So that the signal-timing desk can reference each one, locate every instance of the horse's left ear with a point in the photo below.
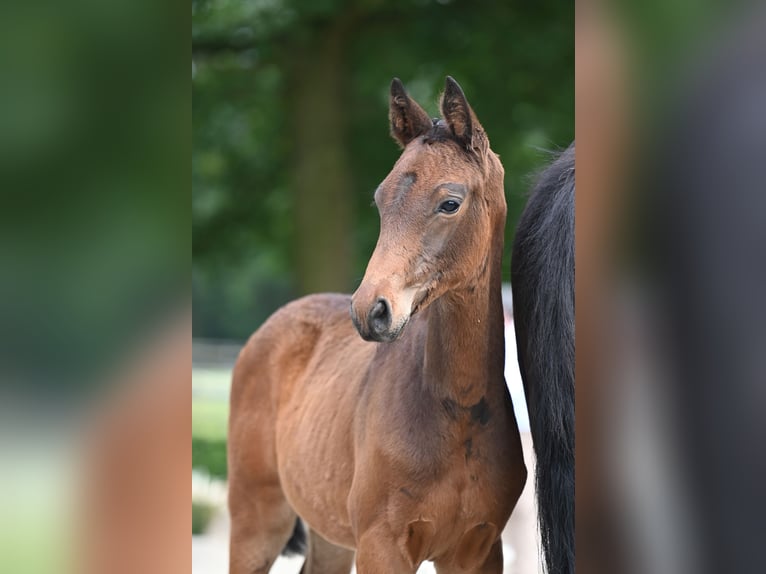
(460, 117)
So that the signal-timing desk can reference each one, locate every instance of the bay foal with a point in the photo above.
(400, 444)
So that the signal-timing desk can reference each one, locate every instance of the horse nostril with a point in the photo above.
(380, 315)
(380, 309)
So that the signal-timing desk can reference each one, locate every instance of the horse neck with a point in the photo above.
(465, 345)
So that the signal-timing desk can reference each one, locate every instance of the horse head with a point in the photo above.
(440, 207)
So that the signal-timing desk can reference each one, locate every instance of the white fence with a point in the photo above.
(210, 353)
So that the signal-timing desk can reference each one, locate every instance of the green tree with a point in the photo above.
(290, 129)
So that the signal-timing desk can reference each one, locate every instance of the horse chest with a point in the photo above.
(437, 503)
(444, 498)
(456, 518)
(468, 490)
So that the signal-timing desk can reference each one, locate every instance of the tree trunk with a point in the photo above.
(321, 178)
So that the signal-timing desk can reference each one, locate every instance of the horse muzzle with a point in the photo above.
(375, 319)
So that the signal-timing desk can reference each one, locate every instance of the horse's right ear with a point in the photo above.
(408, 119)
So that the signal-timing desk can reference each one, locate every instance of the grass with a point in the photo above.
(209, 419)
(210, 413)
(210, 403)
(210, 456)
(202, 512)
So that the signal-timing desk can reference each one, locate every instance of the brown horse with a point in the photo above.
(400, 444)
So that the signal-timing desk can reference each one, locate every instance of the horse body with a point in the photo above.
(400, 444)
(365, 446)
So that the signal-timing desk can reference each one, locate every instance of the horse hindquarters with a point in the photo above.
(268, 372)
(261, 525)
(262, 520)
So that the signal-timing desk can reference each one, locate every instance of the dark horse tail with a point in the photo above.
(542, 277)
(297, 542)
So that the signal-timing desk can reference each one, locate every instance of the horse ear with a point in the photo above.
(408, 119)
(460, 117)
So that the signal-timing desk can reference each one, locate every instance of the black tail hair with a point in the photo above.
(297, 542)
(542, 279)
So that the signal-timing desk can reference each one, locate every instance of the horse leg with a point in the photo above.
(261, 524)
(493, 564)
(378, 553)
(323, 557)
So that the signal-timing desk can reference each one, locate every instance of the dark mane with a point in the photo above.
(441, 133)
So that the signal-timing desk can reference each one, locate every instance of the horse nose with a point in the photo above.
(379, 318)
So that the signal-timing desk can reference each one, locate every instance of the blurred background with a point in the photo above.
(94, 260)
(671, 324)
(290, 140)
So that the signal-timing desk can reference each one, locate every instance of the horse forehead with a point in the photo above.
(433, 156)
(422, 166)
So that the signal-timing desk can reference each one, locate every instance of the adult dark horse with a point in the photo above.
(401, 444)
(542, 277)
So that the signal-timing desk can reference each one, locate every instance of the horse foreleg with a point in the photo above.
(326, 558)
(378, 553)
(493, 564)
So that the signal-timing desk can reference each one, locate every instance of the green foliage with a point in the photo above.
(254, 76)
(202, 512)
(209, 456)
(210, 415)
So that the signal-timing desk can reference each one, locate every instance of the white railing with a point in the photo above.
(215, 353)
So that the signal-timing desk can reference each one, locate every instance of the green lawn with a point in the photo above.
(209, 419)
(210, 403)
(210, 413)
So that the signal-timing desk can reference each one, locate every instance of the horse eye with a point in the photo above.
(449, 206)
